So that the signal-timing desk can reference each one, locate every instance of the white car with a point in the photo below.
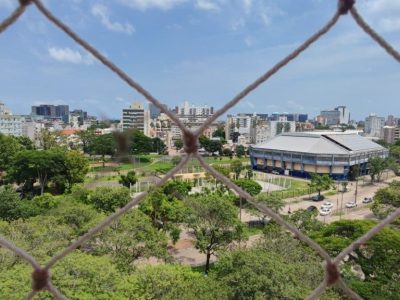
(324, 211)
(367, 200)
(327, 204)
(351, 204)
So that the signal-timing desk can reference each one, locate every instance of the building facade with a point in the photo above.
(50, 111)
(136, 117)
(374, 126)
(301, 154)
(10, 124)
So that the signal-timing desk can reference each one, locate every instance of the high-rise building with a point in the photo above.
(391, 134)
(49, 111)
(136, 117)
(374, 126)
(154, 111)
(339, 115)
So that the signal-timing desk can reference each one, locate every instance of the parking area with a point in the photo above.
(338, 201)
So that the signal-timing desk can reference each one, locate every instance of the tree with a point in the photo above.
(320, 183)
(220, 132)
(377, 165)
(47, 139)
(240, 151)
(130, 238)
(77, 276)
(250, 186)
(9, 147)
(86, 137)
(139, 143)
(10, 204)
(214, 222)
(171, 282)
(178, 144)
(213, 146)
(129, 179)
(271, 201)
(237, 167)
(227, 152)
(159, 146)
(261, 274)
(165, 212)
(76, 168)
(103, 145)
(107, 199)
(386, 200)
(30, 166)
(177, 188)
(378, 258)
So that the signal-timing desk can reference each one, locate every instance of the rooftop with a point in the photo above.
(321, 143)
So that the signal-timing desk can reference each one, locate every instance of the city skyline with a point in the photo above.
(247, 38)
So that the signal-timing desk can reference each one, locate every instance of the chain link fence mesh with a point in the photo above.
(41, 279)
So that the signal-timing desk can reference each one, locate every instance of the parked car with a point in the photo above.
(351, 204)
(324, 211)
(275, 172)
(311, 208)
(367, 200)
(327, 204)
(318, 198)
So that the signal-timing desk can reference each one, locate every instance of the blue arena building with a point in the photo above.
(300, 154)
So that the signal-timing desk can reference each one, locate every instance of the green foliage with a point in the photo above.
(227, 152)
(240, 151)
(386, 200)
(128, 179)
(250, 186)
(171, 282)
(10, 204)
(178, 144)
(274, 203)
(78, 276)
(321, 182)
(130, 238)
(64, 168)
(215, 224)
(102, 145)
(237, 167)
(176, 188)
(220, 132)
(165, 212)
(378, 258)
(377, 165)
(107, 199)
(210, 146)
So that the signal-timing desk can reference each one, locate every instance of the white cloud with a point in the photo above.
(207, 5)
(70, 56)
(147, 4)
(100, 11)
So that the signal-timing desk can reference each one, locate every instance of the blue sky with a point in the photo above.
(203, 51)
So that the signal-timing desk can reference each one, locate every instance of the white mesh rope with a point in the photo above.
(41, 279)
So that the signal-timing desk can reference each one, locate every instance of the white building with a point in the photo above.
(10, 124)
(136, 117)
(374, 126)
(339, 115)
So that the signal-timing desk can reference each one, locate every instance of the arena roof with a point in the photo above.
(323, 143)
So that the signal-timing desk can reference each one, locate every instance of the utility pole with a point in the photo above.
(341, 207)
